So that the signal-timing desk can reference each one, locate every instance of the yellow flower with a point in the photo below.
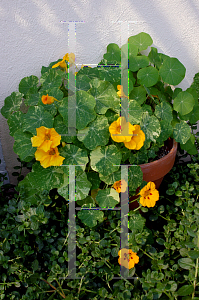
(120, 92)
(67, 57)
(149, 195)
(127, 258)
(49, 158)
(120, 186)
(116, 127)
(137, 139)
(47, 99)
(46, 138)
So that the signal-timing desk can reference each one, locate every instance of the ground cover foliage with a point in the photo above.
(34, 247)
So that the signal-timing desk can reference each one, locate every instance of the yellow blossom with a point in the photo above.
(67, 57)
(137, 138)
(120, 186)
(127, 258)
(121, 92)
(49, 158)
(47, 99)
(46, 138)
(149, 195)
(116, 127)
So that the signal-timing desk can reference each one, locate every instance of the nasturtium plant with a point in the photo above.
(124, 114)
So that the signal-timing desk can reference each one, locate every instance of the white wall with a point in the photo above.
(31, 35)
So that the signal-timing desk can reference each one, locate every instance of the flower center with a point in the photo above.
(128, 256)
(47, 137)
(52, 152)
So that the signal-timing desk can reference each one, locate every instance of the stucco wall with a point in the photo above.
(31, 35)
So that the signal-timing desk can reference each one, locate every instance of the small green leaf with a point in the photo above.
(148, 76)
(12, 103)
(136, 221)
(107, 198)
(185, 290)
(186, 263)
(184, 103)
(138, 62)
(84, 109)
(142, 41)
(113, 55)
(35, 118)
(96, 134)
(138, 94)
(164, 111)
(23, 146)
(172, 71)
(28, 85)
(182, 132)
(90, 216)
(105, 160)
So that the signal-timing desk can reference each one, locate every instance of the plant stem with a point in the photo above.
(147, 254)
(196, 268)
(80, 284)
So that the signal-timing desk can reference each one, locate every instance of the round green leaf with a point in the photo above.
(186, 263)
(136, 222)
(166, 131)
(28, 85)
(138, 62)
(172, 71)
(164, 111)
(84, 109)
(107, 198)
(105, 96)
(113, 55)
(89, 72)
(135, 177)
(142, 41)
(150, 126)
(12, 103)
(37, 117)
(181, 132)
(110, 179)
(62, 129)
(74, 156)
(135, 112)
(96, 134)
(189, 146)
(23, 146)
(138, 94)
(130, 50)
(90, 216)
(94, 179)
(15, 121)
(105, 160)
(111, 74)
(184, 103)
(148, 76)
(82, 82)
(82, 187)
(51, 79)
(48, 178)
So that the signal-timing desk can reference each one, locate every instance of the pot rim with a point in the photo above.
(171, 152)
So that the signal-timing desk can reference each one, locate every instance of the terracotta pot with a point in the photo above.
(156, 170)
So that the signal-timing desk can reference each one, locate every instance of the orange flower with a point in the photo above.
(120, 186)
(46, 138)
(149, 195)
(137, 139)
(116, 127)
(49, 158)
(127, 258)
(67, 57)
(47, 99)
(120, 92)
